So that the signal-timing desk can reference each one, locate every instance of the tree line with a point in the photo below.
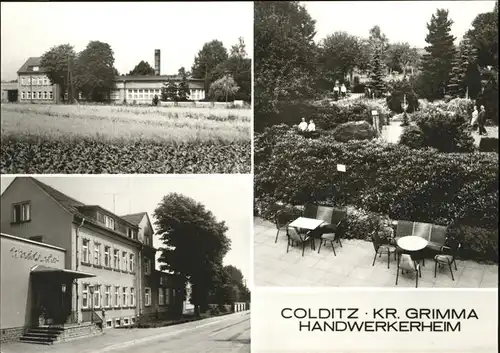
(92, 73)
(194, 246)
(290, 66)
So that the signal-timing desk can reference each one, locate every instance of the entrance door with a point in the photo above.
(50, 300)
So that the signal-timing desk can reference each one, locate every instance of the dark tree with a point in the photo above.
(438, 61)
(284, 53)
(194, 244)
(484, 37)
(183, 92)
(58, 61)
(212, 54)
(378, 48)
(169, 91)
(95, 71)
(142, 69)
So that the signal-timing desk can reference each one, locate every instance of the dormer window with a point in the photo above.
(130, 233)
(109, 222)
(36, 68)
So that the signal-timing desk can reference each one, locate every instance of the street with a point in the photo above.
(229, 333)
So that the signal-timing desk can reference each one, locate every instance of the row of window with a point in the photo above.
(35, 81)
(113, 296)
(109, 222)
(37, 95)
(121, 322)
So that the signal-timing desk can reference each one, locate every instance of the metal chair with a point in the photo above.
(446, 257)
(438, 238)
(332, 232)
(406, 263)
(294, 236)
(382, 247)
(283, 218)
(404, 228)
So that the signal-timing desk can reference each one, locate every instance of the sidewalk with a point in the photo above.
(111, 338)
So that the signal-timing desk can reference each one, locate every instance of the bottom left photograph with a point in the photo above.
(125, 263)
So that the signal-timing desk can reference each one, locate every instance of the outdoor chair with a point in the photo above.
(446, 257)
(332, 231)
(310, 211)
(422, 230)
(404, 228)
(282, 220)
(382, 247)
(295, 237)
(406, 263)
(438, 238)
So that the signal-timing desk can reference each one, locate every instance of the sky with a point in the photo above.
(400, 21)
(228, 197)
(132, 29)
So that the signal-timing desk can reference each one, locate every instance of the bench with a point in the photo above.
(433, 233)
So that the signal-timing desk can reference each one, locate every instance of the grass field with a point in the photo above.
(118, 139)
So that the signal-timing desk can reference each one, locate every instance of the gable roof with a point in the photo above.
(32, 61)
(134, 218)
(72, 205)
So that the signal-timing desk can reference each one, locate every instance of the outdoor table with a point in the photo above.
(412, 244)
(307, 223)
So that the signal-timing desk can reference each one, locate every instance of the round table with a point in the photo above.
(412, 243)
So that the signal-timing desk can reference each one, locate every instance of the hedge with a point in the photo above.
(420, 185)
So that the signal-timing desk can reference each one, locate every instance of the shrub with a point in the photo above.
(412, 137)
(215, 310)
(354, 130)
(399, 90)
(391, 179)
(445, 130)
(477, 242)
(155, 100)
(223, 309)
(488, 144)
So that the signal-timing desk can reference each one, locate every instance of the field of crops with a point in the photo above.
(118, 139)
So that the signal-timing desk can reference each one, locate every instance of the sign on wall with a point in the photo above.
(30, 255)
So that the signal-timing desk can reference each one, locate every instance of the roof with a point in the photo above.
(134, 218)
(72, 206)
(155, 78)
(32, 61)
(8, 86)
(41, 269)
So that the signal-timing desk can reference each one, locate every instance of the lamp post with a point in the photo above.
(91, 304)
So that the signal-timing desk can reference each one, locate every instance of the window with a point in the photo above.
(131, 263)
(51, 95)
(36, 68)
(131, 233)
(22, 94)
(29, 95)
(146, 239)
(107, 259)
(162, 281)
(161, 296)
(85, 296)
(107, 296)
(132, 319)
(22, 81)
(124, 261)
(124, 296)
(116, 256)
(97, 296)
(40, 81)
(117, 322)
(45, 95)
(109, 222)
(109, 323)
(125, 322)
(147, 296)
(21, 212)
(97, 254)
(147, 266)
(167, 296)
(85, 251)
(117, 296)
(132, 296)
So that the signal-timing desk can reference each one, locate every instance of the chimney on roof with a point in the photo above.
(157, 62)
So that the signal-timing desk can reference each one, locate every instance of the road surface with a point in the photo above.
(223, 334)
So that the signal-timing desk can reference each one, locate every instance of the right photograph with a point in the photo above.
(376, 144)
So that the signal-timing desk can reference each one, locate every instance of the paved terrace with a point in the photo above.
(352, 267)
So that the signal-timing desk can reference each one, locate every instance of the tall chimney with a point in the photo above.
(157, 62)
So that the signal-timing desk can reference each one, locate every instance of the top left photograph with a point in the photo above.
(126, 88)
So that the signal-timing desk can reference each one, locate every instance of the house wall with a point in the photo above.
(18, 257)
(38, 85)
(142, 92)
(48, 219)
(107, 275)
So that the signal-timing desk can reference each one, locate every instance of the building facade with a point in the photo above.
(108, 261)
(33, 83)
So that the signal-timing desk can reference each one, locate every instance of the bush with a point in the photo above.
(391, 179)
(445, 130)
(399, 90)
(354, 130)
(488, 144)
(155, 100)
(214, 311)
(412, 137)
(477, 242)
